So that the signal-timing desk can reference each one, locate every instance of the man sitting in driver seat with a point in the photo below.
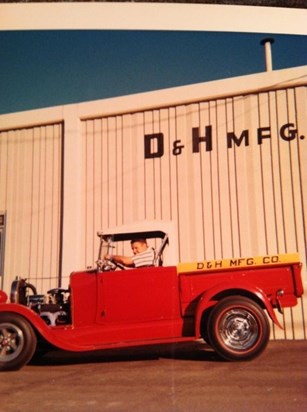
(143, 255)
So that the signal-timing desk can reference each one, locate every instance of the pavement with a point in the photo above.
(171, 378)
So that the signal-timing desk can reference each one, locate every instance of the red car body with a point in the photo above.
(223, 302)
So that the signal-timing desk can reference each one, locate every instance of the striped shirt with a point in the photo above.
(145, 258)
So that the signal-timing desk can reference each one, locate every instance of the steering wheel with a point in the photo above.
(107, 265)
(110, 265)
(118, 265)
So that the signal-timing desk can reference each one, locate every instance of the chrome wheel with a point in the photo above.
(238, 329)
(17, 341)
(11, 342)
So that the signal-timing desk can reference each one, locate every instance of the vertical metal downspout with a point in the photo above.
(60, 274)
(2, 247)
(268, 52)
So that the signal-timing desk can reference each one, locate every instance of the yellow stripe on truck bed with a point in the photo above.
(235, 263)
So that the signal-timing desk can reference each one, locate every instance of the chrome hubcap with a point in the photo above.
(238, 329)
(11, 341)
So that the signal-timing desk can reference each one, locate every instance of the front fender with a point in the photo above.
(51, 334)
(31, 316)
(210, 298)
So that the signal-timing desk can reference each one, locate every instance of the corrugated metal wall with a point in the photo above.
(30, 182)
(231, 172)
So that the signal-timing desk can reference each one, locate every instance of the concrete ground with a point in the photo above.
(172, 378)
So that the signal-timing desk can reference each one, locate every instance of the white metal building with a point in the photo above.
(225, 161)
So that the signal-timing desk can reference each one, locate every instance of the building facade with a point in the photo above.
(224, 161)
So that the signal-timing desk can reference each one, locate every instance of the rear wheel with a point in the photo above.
(238, 328)
(17, 341)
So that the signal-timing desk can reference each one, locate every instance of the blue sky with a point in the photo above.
(48, 68)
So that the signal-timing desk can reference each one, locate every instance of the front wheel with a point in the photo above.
(238, 328)
(17, 342)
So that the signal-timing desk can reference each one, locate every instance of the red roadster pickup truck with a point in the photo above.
(227, 303)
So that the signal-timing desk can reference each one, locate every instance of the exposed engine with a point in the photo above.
(53, 308)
